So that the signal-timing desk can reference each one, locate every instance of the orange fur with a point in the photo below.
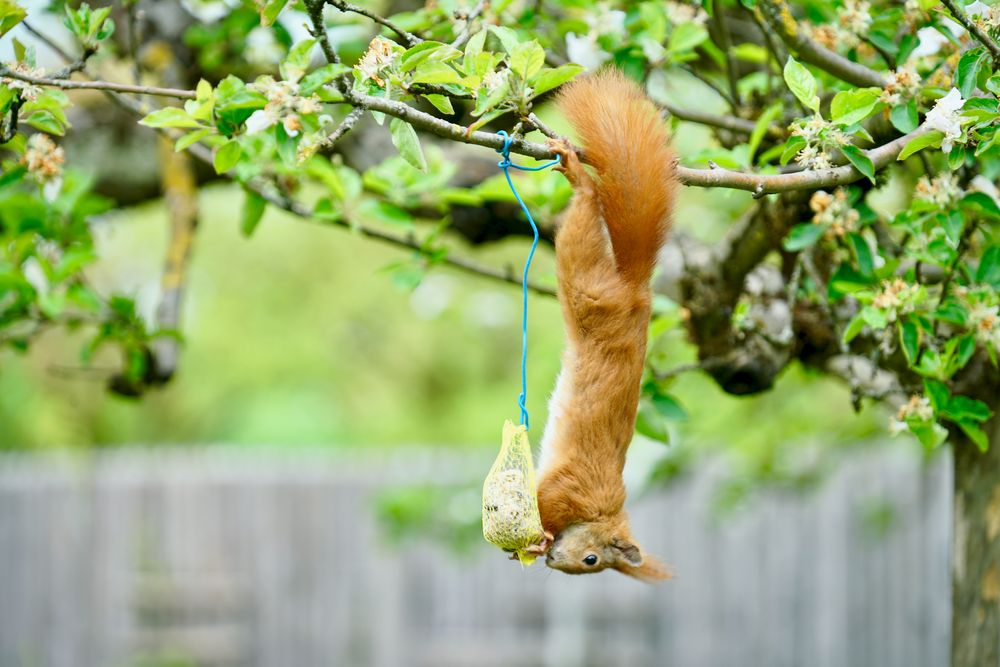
(606, 249)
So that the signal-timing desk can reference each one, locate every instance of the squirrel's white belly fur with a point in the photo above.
(560, 394)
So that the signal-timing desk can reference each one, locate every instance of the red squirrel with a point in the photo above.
(606, 247)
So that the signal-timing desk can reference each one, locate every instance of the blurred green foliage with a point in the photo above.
(297, 337)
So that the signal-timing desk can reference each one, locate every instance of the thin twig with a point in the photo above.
(719, 19)
(48, 41)
(974, 29)
(711, 84)
(470, 18)
(408, 37)
(679, 370)
(318, 30)
(345, 126)
(98, 85)
(730, 123)
(541, 126)
(779, 17)
(72, 65)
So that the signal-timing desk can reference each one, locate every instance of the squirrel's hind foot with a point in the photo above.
(569, 163)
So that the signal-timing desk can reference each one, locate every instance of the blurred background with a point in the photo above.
(305, 491)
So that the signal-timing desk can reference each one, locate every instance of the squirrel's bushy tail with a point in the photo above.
(626, 141)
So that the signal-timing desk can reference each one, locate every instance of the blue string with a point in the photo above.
(506, 165)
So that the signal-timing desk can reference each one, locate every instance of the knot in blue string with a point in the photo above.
(506, 165)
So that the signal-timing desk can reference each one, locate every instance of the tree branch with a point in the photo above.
(730, 123)
(98, 85)
(759, 184)
(974, 29)
(318, 30)
(407, 37)
(779, 17)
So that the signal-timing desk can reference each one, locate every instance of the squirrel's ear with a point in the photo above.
(650, 570)
(628, 552)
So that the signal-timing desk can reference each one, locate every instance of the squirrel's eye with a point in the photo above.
(591, 559)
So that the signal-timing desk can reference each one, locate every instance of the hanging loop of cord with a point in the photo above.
(507, 165)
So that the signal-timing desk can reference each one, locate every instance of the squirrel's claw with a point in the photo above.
(542, 547)
(569, 161)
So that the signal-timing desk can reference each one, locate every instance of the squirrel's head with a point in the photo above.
(584, 548)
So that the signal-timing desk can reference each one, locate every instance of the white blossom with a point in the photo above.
(262, 48)
(945, 117)
(982, 184)
(585, 51)
(260, 120)
(931, 41)
(208, 11)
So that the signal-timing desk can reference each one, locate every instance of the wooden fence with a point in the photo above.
(223, 558)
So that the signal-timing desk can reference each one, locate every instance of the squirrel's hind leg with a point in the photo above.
(584, 261)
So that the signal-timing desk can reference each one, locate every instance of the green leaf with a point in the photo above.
(860, 160)
(930, 434)
(963, 408)
(853, 106)
(269, 12)
(288, 146)
(169, 117)
(190, 138)
(487, 100)
(792, 148)
(441, 103)
(760, 128)
(874, 317)
(956, 157)
(937, 393)
(988, 272)
(404, 137)
(253, 210)
(904, 117)
(436, 72)
(316, 79)
(918, 143)
(295, 64)
(418, 54)
(685, 37)
(669, 407)
(473, 48)
(802, 83)
(968, 69)
(527, 59)
(227, 156)
(854, 327)
(377, 210)
(863, 254)
(976, 435)
(803, 235)
(10, 15)
(650, 423)
(552, 78)
(507, 37)
(981, 203)
(909, 338)
(953, 312)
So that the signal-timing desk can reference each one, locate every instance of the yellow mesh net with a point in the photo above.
(510, 505)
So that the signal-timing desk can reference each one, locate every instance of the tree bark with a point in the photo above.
(975, 624)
